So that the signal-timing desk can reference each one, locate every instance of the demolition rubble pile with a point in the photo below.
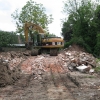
(13, 63)
(9, 67)
(78, 60)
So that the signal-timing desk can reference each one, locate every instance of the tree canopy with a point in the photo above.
(82, 25)
(34, 13)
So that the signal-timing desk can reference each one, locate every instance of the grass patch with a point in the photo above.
(97, 69)
(89, 77)
(97, 60)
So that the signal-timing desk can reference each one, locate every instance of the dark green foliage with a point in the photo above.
(67, 31)
(67, 44)
(84, 22)
(7, 38)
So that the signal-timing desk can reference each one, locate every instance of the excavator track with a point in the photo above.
(34, 52)
(53, 52)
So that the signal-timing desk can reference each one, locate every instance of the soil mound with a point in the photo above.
(75, 47)
(7, 76)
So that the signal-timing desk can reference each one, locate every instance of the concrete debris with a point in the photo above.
(33, 65)
(77, 60)
(68, 54)
(91, 71)
(83, 68)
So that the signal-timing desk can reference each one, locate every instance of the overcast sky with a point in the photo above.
(54, 7)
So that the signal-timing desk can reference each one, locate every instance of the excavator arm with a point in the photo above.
(34, 27)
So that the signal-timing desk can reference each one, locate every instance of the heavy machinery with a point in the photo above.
(39, 40)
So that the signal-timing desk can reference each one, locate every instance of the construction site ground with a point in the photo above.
(46, 77)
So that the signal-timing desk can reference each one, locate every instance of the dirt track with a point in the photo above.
(51, 84)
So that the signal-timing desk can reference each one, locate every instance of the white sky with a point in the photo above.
(54, 7)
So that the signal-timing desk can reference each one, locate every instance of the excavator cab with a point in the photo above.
(37, 39)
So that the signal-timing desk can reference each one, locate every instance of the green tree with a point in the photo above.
(97, 46)
(34, 13)
(82, 18)
(51, 35)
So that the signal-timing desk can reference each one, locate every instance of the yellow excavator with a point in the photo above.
(39, 41)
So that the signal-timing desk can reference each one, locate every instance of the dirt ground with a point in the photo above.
(45, 77)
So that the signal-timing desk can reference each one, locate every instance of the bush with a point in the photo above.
(78, 41)
(7, 38)
(97, 46)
